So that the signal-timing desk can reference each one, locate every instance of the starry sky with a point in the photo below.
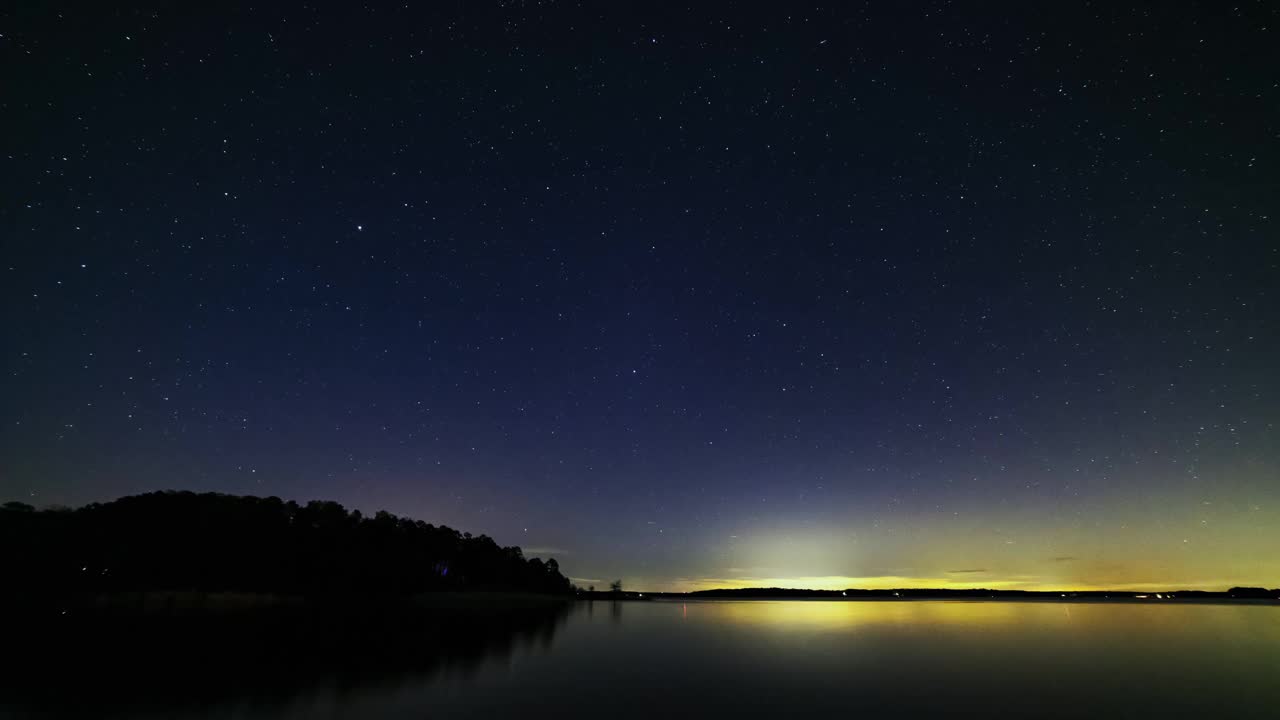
(862, 294)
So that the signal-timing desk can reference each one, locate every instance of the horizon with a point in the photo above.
(833, 585)
(967, 579)
(1169, 591)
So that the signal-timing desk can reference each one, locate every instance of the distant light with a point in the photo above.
(641, 594)
(1159, 596)
(844, 594)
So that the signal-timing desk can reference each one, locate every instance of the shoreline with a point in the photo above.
(658, 597)
(1235, 595)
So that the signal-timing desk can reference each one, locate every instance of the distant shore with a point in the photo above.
(195, 604)
(1239, 594)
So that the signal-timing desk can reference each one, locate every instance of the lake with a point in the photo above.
(757, 658)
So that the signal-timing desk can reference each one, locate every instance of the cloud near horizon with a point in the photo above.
(544, 551)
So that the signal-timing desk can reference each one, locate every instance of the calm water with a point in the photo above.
(788, 658)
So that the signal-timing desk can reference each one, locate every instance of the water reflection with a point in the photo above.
(722, 658)
(791, 616)
(1101, 618)
(265, 663)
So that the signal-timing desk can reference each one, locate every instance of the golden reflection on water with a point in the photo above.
(832, 615)
(1116, 619)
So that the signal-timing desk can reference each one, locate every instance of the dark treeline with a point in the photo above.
(211, 542)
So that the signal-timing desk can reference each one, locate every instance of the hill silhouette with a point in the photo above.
(211, 542)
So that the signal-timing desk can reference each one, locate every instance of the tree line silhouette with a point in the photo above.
(212, 542)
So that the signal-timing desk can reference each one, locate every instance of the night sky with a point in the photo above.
(889, 294)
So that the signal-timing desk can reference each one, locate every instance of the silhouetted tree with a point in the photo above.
(215, 542)
(615, 586)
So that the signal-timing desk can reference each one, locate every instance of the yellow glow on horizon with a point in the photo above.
(1195, 542)
(843, 582)
(891, 582)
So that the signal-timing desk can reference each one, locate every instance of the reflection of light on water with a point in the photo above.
(843, 614)
(1015, 620)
